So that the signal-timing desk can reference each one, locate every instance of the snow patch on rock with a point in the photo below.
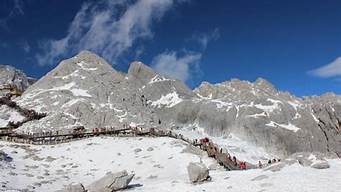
(289, 126)
(169, 100)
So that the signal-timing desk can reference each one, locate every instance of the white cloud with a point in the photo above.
(185, 66)
(16, 9)
(106, 30)
(204, 38)
(330, 70)
(179, 67)
(26, 47)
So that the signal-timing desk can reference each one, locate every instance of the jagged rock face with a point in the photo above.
(14, 77)
(83, 91)
(154, 85)
(259, 113)
(327, 109)
(11, 78)
(86, 91)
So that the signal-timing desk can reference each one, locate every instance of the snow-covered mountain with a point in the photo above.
(270, 118)
(86, 91)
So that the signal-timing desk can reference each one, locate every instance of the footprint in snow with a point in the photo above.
(137, 178)
(45, 165)
(50, 159)
(158, 166)
(152, 177)
(266, 185)
(150, 149)
(260, 177)
(28, 175)
(137, 150)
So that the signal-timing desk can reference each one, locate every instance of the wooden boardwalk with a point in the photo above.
(50, 138)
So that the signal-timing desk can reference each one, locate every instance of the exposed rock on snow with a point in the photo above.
(5, 157)
(197, 172)
(111, 182)
(314, 160)
(275, 167)
(320, 165)
(73, 188)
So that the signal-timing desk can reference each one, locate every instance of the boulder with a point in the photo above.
(73, 188)
(320, 165)
(308, 159)
(111, 182)
(5, 157)
(197, 172)
(275, 167)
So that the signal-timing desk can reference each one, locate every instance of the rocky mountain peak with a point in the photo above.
(140, 71)
(264, 85)
(90, 57)
(12, 76)
(86, 91)
(83, 65)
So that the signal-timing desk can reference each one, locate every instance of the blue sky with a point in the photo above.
(293, 44)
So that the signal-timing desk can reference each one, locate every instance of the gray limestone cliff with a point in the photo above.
(86, 91)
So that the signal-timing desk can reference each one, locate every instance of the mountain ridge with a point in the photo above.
(85, 90)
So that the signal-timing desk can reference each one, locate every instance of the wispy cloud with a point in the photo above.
(104, 30)
(15, 9)
(26, 47)
(204, 38)
(180, 67)
(332, 69)
(184, 65)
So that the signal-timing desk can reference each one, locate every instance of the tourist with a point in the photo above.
(260, 165)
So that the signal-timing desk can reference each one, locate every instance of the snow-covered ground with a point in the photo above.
(7, 114)
(243, 150)
(159, 164)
